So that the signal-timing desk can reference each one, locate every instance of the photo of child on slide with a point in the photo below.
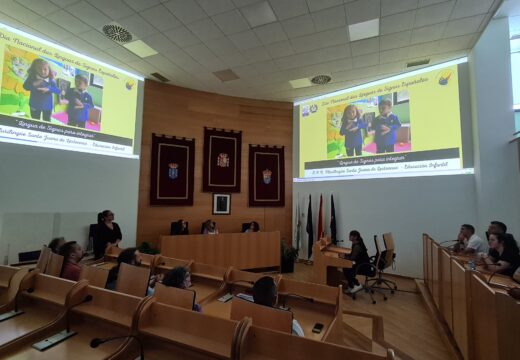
(40, 88)
(369, 126)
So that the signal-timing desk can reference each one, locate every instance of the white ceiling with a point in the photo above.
(195, 38)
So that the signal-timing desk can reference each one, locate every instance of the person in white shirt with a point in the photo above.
(470, 242)
(265, 293)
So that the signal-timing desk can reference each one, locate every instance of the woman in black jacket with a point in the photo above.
(107, 232)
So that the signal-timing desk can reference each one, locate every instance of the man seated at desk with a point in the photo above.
(265, 293)
(469, 242)
(72, 254)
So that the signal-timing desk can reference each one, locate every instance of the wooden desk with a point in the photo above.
(240, 250)
(327, 255)
(207, 336)
(259, 343)
(44, 300)
(107, 314)
(105, 265)
(474, 303)
(310, 303)
(10, 279)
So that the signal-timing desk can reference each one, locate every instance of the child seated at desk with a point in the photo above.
(358, 256)
(265, 293)
(130, 256)
(179, 277)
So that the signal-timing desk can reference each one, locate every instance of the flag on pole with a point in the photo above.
(298, 221)
(333, 235)
(310, 231)
(320, 219)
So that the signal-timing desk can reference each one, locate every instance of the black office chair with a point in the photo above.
(369, 270)
(245, 226)
(176, 228)
(374, 270)
(386, 259)
(29, 256)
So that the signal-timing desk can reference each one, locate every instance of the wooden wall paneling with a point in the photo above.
(484, 318)
(425, 258)
(183, 112)
(240, 250)
(445, 265)
(430, 264)
(436, 275)
(508, 318)
(460, 292)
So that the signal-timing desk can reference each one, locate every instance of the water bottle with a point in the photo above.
(471, 265)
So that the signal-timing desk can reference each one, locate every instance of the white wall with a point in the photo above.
(496, 161)
(438, 205)
(407, 207)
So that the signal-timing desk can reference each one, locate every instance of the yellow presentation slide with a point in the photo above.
(52, 97)
(407, 124)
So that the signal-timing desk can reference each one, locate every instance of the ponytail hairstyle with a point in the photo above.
(359, 238)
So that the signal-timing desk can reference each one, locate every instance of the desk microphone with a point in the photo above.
(95, 342)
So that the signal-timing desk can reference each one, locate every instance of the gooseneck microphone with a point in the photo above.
(95, 342)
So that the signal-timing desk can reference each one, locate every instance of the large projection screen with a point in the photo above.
(56, 98)
(406, 125)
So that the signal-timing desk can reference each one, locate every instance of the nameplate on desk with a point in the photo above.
(10, 315)
(225, 298)
(53, 340)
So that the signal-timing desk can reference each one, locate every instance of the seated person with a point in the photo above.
(72, 254)
(253, 227)
(265, 293)
(469, 242)
(358, 255)
(503, 257)
(180, 278)
(56, 243)
(209, 227)
(130, 256)
(179, 227)
(496, 227)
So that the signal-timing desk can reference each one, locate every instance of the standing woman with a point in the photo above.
(108, 232)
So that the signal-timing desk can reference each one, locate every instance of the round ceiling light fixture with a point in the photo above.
(321, 79)
(117, 33)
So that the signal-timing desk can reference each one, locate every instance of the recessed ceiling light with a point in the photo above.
(226, 75)
(418, 63)
(364, 30)
(258, 14)
(140, 48)
(300, 83)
